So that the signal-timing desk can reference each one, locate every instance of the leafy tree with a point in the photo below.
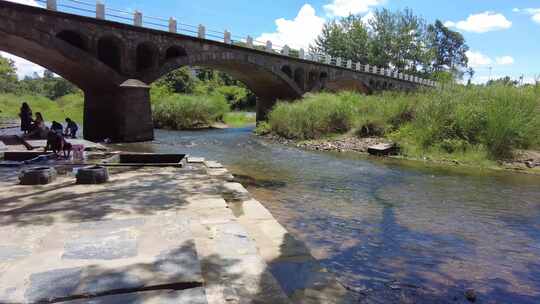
(505, 81)
(346, 38)
(8, 76)
(449, 47)
(181, 80)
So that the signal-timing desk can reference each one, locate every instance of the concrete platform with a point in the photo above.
(151, 235)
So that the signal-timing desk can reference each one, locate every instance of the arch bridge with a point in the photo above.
(113, 63)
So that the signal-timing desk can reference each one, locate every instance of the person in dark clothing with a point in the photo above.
(57, 127)
(26, 118)
(57, 143)
(38, 130)
(71, 128)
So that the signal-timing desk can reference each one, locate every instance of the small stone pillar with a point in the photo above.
(396, 74)
(285, 50)
(249, 42)
(375, 70)
(201, 32)
(381, 71)
(367, 68)
(173, 25)
(269, 46)
(301, 54)
(338, 61)
(51, 5)
(358, 66)
(328, 59)
(227, 37)
(100, 10)
(349, 64)
(137, 18)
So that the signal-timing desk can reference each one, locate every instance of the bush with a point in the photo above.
(188, 111)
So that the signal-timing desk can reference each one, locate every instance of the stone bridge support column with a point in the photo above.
(264, 105)
(121, 115)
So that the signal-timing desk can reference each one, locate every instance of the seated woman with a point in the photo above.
(71, 128)
(38, 130)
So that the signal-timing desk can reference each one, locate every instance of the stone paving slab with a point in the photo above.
(195, 160)
(213, 164)
(188, 296)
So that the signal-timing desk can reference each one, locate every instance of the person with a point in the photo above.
(38, 130)
(71, 128)
(57, 143)
(57, 127)
(26, 118)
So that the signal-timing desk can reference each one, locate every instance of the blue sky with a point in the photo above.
(502, 34)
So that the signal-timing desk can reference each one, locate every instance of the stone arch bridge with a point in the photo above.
(113, 63)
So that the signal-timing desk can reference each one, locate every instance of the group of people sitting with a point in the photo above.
(55, 135)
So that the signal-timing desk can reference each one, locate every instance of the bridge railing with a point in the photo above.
(99, 10)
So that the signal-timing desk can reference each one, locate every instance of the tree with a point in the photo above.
(449, 47)
(8, 76)
(181, 80)
(346, 38)
(505, 81)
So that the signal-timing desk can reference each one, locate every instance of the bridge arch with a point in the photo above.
(175, 51)
(348, 84)
(109, 51)
(74, 38)
(287, 70)
(146, 56)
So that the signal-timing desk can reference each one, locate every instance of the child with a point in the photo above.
(71, 128)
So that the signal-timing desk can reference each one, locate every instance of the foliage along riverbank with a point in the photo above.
(475, 125)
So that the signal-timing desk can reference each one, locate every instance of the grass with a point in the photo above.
(67, 106)
(239, 119)
(179, 111)
(471, 124)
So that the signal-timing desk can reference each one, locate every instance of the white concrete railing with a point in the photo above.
(138, 19)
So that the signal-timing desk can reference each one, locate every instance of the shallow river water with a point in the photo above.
(388, 224)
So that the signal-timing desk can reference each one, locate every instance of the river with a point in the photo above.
(382, 224)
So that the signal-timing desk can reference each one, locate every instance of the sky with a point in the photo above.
(503, 35)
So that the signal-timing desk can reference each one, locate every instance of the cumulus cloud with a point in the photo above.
(342, 8)
(482, 23)
(504, 60)
(533, 12)
(477, 59)
(297, 33)
(24, 67)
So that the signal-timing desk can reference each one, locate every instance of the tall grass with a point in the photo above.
(68, 106)
(179, 111)
(495, 119)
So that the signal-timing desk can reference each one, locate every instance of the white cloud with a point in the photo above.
(297, 33)
(26, 2)
(504, 60)
(342, 8)
(477, 59)
(482, 23)
(533, 12)
(366, 19)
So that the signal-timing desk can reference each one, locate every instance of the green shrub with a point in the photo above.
(178, 111)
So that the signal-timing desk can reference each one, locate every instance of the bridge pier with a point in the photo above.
(263, 107)
(122, 114)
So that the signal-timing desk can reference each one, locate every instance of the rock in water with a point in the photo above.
(470, 295)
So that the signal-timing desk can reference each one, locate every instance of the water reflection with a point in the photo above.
(379, 224)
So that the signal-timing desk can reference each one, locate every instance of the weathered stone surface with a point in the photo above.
(195, 160)
(101, 246)
(235, 192)
(8, 253)
(213, 164)
(58, 283)
(188, 296)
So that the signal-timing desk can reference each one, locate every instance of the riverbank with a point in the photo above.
(525, 161)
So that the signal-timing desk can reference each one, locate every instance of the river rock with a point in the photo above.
(470, 295)
(382, 149)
